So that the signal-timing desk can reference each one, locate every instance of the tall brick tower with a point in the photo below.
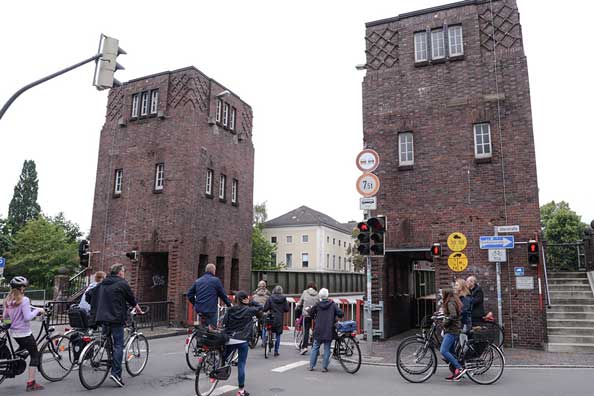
(446, 103)
(174, 183)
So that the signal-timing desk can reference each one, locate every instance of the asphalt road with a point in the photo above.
(286, 375)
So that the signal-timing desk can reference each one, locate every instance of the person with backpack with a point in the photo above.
(277, 305)
(308, 299)
(452, 308)
(324, 313)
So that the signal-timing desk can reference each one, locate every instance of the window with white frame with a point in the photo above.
(421, 54)
(232, 120)
(289, 239)
(144, 107)
(289, 260)
(482, 140)
(339, 262)
(234, 191)
(209, 174)
(273, 259)
(159, 176)
(456, 46)
(225, 114)
(327, 239)
(117, 188)
(304, 238)
(219, 110)
(135, 105)
(437, 44)
(406, 149)
(222, 186)
(333, 261)
(305, 260)
(328, 260)
(154, 101)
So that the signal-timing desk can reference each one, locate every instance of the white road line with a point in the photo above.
(172, 353)
(291, 366)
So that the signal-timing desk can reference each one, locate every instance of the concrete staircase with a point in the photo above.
(570, 320)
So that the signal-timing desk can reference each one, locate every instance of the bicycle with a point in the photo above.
(212, 367)
(345, 347)
(416, 359)
(256, 333)
(95, 361)
(491, 329)
(270, 335)
(192, 349)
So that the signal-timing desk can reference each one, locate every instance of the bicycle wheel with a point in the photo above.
(255, 336)
(192, 350)
(57, 358)
(298, 337)
(416, 360)
(488, 367)
(269, 343)
(207, 363)
(94, 364)
(349, 354)
(136, 354)
(493, 332)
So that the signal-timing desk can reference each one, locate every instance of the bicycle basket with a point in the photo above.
(213, 339)
(221, 373)
(348, 326)
(78, 318)
(475, 349)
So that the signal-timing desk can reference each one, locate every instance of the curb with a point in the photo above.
(524, 366)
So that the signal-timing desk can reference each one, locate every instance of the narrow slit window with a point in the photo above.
(482, 140)
(119, 174)
(225, 114)
(234, 191)
(219, 110)
(222, 187)
(159, 176)
(135, 104)
(154, 101)
(232, 119)
(406, 149)
(209, 174)
(437, 44)
(145, 104)
(455, 40)
(421, 47)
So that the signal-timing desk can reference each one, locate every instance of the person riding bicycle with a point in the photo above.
(324, 313)
(237, 325)
(476, 292)
(452, 308)
(109, 299)
(261, 295)
(18, 310)
(204, 295)
(462, 291)
(308, 299)
(277, 305)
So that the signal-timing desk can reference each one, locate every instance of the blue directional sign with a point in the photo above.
(519, 271)
(497, 242)
(2, 262)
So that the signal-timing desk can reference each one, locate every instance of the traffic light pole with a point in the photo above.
(499, 302)
(44, 79)
(368, 302)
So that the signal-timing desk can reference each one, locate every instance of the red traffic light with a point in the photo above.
(363, 227)
(533, 247)
(436, 249)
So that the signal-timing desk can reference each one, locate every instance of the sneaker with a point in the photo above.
(459, 374)
(33, 386)
(451, 377)
(324, 370)
(117, 380)
(243, 392)
(311, 369)
(276, 354)
(303, 351)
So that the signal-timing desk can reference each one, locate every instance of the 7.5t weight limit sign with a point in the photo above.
(368, 184)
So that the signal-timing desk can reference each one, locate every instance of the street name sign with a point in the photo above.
(497, 255)
(368, 184)
(497, 242)
(368, 203)
(368, 160)
(507, 229)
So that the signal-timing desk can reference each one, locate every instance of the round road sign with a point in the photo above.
(368, 160)
(368, 184)
(457, 262)
(457, 241)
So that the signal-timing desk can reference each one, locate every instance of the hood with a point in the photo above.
(111, 279)
(278, 298)
(312, 292)
(261, 291)
(325, 304)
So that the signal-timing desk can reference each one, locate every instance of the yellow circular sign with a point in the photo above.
(457, 262)
(457, 241)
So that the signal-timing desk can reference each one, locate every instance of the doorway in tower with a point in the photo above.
(154, 276)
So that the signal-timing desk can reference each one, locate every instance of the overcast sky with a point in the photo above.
(293, 61)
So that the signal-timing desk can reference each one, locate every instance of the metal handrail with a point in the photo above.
(544, 264)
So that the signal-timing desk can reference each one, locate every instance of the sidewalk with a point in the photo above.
(384, 354)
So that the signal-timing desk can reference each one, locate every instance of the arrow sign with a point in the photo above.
(497, 242)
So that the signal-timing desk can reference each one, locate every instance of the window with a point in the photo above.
(328, 239)
(406, 152)
(273, 239)
(289, 260)
(455, 40)
(273, 259)
(232, 121)
(421, 47)
(339, 262)
(209, 174)
(222, 187)
(135, 103)
(333, 261)
(339, 243)
(119, 174)
(219, 110)
(305, 260)
(327, 260)
(159, 173)
(437, 44)
(145, 104)
(154, 101)
(289, 239)
(482, 140)
(304, 238)
(225, 114)
(334, 241)
(234, 191)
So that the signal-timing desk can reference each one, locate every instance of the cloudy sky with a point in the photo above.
(293, 61)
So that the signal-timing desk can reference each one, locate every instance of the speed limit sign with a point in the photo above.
(368, 184)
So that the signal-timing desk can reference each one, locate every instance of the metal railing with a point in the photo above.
(294, 282)
(565, 256)
(78, 282)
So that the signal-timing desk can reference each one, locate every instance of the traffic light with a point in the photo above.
(533, 253)
(83, 253)
(107, 64)
(436, 250)
(363, 238)
(377, 229)
(133, 255)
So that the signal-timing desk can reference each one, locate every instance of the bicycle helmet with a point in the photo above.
(18, 281)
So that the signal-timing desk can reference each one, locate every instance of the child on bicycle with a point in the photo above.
(452, 308)
(17, 309)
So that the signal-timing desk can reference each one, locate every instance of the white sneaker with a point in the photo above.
(303, 351)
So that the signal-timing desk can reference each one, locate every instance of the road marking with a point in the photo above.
(172, 353)
(291, 366)
(223, 389)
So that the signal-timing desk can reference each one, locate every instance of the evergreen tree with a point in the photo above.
(23, 206)
(262, 249)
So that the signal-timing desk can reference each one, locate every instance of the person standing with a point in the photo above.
(452, 308)
(277, 305)
(476, 292)
(204, 295)
(308, 299)
(324, 313)
(84, 304)
(18, 310)
(110, 298)
(463, 294)
(260, 296)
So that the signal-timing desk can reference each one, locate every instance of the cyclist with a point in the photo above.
(277, 305)
(261, 295)
(237, 324)
(324, 313)
(476, 292)
(452, 308)
(308, 299)
(84, 304)
(110, 298)
(463, 293)
(204, 295)
(17, 309)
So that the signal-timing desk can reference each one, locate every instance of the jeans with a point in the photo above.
(277, 341)
(306, 328)
(313, 359)
(117, 336)
(242, 354)
(208, 318)
(263, 334)
(447, 347)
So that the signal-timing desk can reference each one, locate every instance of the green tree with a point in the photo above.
(561, 225)
(262, 249)
(358, 260)
(71, 229)
(40, 249)
(5, 237)
(23, 206)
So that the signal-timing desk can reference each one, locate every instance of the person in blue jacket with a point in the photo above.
(204, 295)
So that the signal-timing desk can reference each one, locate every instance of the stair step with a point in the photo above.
(578, 331)
(571, 339)
(562, 281)
(571, 301)
(572, 294)
(570, 287)
(572, 308)
(558, 275)
(570, 315)
(570, 322)
(573, 347)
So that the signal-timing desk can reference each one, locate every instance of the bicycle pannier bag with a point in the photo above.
(207, 338)
(78, 318)
(348, 326)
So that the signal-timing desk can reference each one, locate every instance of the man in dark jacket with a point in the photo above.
(324, 314)
(110, 298)
(277, 305)
(476, 293)
(204, 295)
